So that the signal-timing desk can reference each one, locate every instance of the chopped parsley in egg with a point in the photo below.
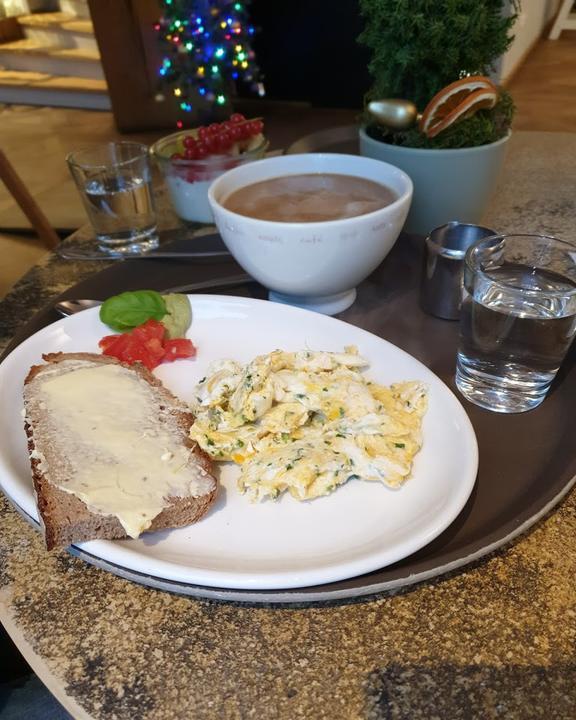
(307, 422)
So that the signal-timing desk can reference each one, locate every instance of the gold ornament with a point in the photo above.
(394, 113)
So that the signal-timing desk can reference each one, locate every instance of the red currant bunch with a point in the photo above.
(218, 138)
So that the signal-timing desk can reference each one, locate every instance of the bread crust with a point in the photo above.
(66, 519)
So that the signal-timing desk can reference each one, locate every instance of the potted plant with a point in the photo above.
(436, 54)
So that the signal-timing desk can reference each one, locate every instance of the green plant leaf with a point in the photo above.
(130, 309)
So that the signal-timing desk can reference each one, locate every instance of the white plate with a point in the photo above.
(285, 544)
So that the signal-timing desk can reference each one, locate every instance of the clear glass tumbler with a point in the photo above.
(115, 184)
(517, 320)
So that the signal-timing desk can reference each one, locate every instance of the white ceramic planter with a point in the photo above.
(448, 184)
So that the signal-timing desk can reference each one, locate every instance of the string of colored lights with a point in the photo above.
(207, 51)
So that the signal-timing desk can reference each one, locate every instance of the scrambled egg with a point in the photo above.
(307, 422)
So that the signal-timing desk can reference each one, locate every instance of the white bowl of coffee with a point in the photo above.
(311, 227)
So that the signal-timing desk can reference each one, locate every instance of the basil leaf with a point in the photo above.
(178, 316)
(130, 309)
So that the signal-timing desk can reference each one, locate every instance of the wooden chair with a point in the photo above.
(27, 204)
(565, 20)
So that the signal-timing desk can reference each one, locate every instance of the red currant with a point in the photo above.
(235, 133)
(189, 141)
(176, 156)
(257, 126)
(201, 151)
(237, 118)
(211, 143)
(220, 145)
(225, 140)
(191, 153)
(246, 131)
(203, 133)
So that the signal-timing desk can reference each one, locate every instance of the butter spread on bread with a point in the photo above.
(114, 438)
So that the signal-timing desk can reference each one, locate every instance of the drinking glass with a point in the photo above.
(115, 185)
(517, 320)
(188, 180)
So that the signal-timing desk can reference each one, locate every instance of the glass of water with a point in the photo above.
(115, 185)
(517, 321)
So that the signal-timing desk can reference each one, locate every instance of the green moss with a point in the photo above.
(485, 126)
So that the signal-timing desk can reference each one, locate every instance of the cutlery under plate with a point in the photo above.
(72, 306)
(151, 255)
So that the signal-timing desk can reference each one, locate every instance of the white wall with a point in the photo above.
(533, 17)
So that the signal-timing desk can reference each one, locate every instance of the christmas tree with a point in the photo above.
(207, 53)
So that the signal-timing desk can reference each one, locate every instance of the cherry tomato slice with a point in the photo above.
(108, 343)
(155, 349)
(150, 329)
(148, 345)
(177, 349)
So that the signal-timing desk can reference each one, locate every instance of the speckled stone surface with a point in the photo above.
(496, 640)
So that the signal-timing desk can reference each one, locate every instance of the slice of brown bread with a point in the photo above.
(65, 517)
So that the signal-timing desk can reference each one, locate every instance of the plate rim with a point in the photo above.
(311, 596)
(455, 406)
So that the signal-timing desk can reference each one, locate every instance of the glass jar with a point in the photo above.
(188, 180)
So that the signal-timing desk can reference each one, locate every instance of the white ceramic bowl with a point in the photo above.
(315, 265)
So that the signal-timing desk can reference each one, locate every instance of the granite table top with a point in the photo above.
(494, 640)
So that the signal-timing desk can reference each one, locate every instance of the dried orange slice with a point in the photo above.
(475, 101)
(460, 98)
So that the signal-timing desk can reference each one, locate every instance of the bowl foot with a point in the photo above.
(325, 304)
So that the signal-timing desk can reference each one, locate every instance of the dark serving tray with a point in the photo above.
(527, 461)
